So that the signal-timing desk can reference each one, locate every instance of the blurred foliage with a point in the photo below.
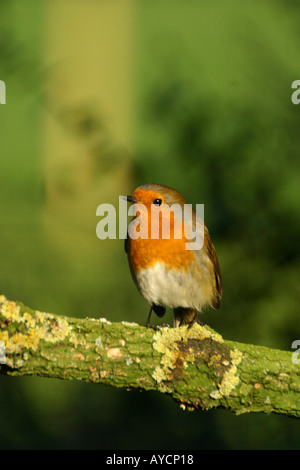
(212, 117)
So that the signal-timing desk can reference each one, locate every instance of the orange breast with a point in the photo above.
(146, 252)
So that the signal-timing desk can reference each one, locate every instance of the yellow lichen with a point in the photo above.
(9, 310)
(129, 323)
(50, 328)
(20, 340)
(39, 326)
(231, 378)
(166, 341)
(77, 340)
(104, 320)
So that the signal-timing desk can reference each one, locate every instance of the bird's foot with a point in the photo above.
(196, 319)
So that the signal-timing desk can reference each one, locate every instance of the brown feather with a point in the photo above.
(216, 301)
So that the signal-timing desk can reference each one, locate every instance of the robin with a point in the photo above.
(165, 272)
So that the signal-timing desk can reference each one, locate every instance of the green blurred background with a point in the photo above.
(105, 96)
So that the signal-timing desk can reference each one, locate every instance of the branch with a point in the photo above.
(196, 366)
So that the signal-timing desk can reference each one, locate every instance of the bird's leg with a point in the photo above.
(196, 319)
(186, 316)
(154, 327)
(148, 318)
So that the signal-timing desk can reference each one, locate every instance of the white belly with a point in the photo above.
(171, 288)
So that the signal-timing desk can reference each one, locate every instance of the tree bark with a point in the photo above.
(196, 366)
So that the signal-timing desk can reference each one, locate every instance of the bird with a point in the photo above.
(166, 273)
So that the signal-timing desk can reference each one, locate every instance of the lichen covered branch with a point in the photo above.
(196, 366)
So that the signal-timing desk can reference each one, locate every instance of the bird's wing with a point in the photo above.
(216, 267)
(210, 249)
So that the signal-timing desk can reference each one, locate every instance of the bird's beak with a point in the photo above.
(132, 199)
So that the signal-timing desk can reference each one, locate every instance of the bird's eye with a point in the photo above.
(157, 202)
